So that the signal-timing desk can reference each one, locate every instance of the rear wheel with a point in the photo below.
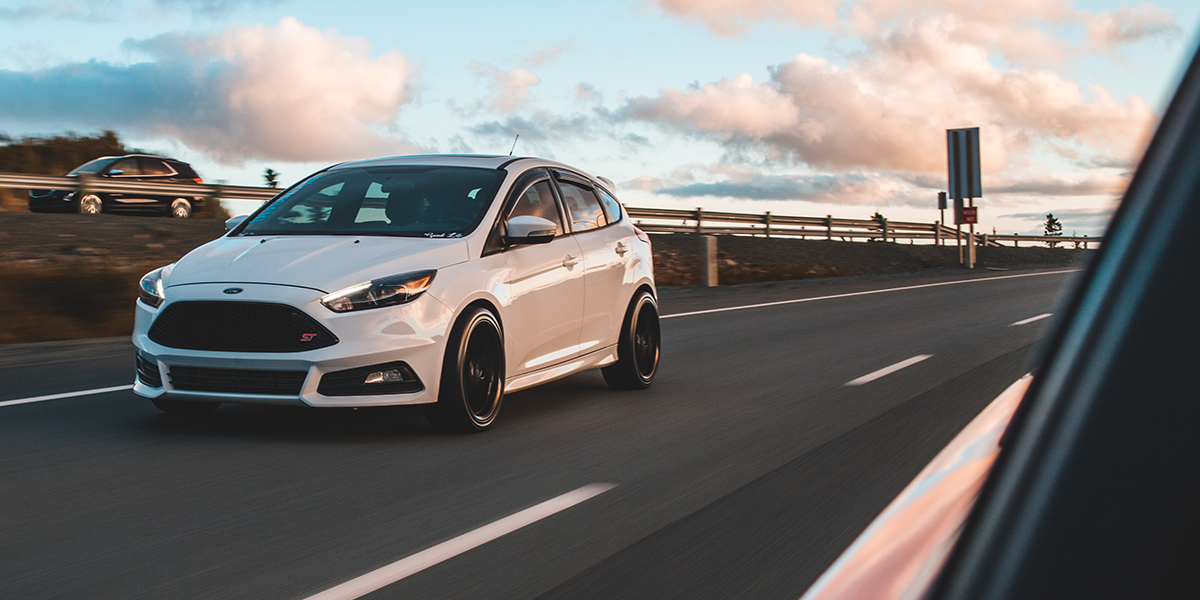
(91, 204)
(638, 348)
(184, 407)
(472, 384)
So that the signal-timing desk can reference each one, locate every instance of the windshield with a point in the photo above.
(412, 201)
(94, 166)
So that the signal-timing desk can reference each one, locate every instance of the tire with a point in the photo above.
(472, 384)
(639, 346)
(181, 208)
(91, 204)
(184, 407)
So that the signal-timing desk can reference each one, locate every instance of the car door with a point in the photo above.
(156, 171)
(605, 248)
(545, 285)
(127, 169)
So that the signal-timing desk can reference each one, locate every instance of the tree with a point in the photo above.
(1053, 228)
(271, 176)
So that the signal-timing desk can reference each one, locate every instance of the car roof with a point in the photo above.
(484, 161)
(139, 155)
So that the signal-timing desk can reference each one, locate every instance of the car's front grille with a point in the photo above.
(147, 371)
(239, 327)
(237, 381)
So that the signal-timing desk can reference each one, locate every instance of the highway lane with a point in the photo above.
(742, 472)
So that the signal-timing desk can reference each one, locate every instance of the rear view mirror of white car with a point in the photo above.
(528, 229)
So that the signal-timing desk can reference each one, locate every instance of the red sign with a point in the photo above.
(970, 215)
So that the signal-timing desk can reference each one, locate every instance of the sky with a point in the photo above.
(798, 107)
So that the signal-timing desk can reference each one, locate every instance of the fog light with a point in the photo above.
(392, 376)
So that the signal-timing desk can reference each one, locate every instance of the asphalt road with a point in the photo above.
(742, 473)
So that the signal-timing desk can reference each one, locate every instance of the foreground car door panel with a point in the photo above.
(546, 291)
(605, 259)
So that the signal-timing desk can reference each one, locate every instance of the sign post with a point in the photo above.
(962, 158)
(942, 221)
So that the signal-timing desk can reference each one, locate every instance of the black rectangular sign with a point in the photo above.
(962, 156)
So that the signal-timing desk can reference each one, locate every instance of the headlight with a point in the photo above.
(388, 291)
(150, 290)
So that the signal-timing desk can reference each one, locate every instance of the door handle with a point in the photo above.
(570, 261)
(621, 249)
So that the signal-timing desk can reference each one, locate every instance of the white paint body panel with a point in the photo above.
(557, 318)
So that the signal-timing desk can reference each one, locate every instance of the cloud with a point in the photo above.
(509, 90)
(283, 92)
(95, 11)
(889, 110)
(587, 92)
(536, 59)
(1127, 25)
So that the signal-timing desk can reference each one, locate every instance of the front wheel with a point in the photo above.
(181, 208)
(472, 384)
(91, 204)
(638, 348)
(184, 407)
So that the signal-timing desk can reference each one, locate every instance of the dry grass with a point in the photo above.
(72, 300)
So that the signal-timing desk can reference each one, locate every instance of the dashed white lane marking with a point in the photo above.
(384, 576)
(869, 377)
(868, 292)
(118, 388)
(1031, 319)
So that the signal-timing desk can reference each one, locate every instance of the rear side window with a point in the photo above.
(151, 166)
(538, 201)
(583, 206)
(612, 208)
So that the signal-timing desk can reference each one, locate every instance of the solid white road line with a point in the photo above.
(1031, 319)
(118, 388)
(384, 576)
(869, 377)
(847, 295)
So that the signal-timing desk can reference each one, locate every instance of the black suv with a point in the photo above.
(131, 167)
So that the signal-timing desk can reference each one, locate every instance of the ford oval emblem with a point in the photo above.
(233, 290)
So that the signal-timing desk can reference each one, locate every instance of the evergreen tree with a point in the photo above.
(1053, 228)
(271, 176)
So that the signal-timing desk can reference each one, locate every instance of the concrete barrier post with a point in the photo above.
(937, 233)
(700, 220)
(883, 226)
(708, 250)
(767, 222)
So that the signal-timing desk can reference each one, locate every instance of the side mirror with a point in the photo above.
(528, 229)
(114, 172)
(232, 222)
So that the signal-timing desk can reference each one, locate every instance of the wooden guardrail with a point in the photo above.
(651, 220)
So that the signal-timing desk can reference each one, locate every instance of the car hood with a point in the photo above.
(325, 263)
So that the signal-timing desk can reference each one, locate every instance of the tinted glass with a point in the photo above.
(612, 208)
(152, 166)
(538, 201)
(405, 201)
(94, 166)
(127, 166)
(583, 206)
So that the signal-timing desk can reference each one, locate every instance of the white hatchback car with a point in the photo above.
(444, 281)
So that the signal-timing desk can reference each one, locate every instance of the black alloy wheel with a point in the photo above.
(90, 204)
(639, 346)
(184, 407)
(472, 384)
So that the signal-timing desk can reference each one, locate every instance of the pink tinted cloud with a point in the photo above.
(508, 90)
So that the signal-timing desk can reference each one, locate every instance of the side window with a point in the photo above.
(126, 166)
(612, 208)
(583, 206)
(151, 166)
(538, 201)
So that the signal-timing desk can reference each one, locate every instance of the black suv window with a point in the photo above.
(583, 206)
(126, 166)
(155, 167)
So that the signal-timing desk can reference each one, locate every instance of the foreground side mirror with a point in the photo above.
(232, 222)
(115, 172)
(528, 229)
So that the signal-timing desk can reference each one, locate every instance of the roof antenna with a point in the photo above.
(514, 144)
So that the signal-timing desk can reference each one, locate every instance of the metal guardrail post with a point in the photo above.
(699, 220)
(937, 233)
(767, 222)
(829, 227)
(883, 225)
(709, 252)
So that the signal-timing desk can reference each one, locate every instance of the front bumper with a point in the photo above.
(414, 334)
(51, 200)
